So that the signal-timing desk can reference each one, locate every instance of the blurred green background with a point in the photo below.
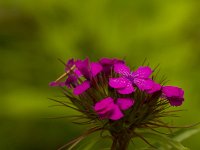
(34, 33)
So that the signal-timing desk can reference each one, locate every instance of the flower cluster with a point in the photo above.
(113, 87)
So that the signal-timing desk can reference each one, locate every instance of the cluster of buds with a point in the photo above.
(114, 98)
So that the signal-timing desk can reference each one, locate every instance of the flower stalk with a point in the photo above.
(120, 140)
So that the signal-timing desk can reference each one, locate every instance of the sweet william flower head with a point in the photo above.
(173, 94)
(112, 97)
(112, 81)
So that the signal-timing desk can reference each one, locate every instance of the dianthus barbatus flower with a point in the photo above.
(73, 75)
(82, 68)
(89, 71)
(108, 64)
(173, 94)
(106, 108)
(140, 78)
(112, 97)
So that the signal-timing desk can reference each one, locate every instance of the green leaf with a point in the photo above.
(88, 143)
(183, 134)
(165, 141)
(74, 144)
(94, 141)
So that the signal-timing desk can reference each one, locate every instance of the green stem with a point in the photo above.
(120, 142)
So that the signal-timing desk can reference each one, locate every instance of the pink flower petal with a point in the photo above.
(116, 114)
(95, 68)
(104, 105)
(121, 69)
(142, 72)
(170, 91)
(128, 89)
(118, 82)
(125, 103)
(57, 83)
(156, 87)
(81, 88)
(176, 102)
(106, 61)
(143, 84)
(83, 66)
(53, 83)
(110, 61)
(69, 64)
(174, 95)
(77, 72)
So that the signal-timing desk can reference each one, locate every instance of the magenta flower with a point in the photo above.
(141, 78)
(154, 88)
(72, 73)
(77, 69)
(173, 94)
(108, 64)
(107, 109)
(124, 84)
(53, 83)
(72, 79)
(79, 89)
(70, 63)
(89, 71)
